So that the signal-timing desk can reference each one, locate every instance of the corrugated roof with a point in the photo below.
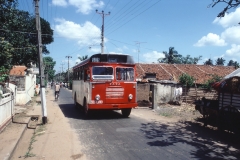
(172, 71)
(18, 71)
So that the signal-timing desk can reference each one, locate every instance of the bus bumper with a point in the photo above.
(112, 106)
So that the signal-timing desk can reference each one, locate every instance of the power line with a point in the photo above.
(134, 17)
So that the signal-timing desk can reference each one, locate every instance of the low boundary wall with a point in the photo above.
(6, 109)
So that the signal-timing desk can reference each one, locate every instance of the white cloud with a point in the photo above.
(232, 34)
(95, 49)
(153, 56)
(210, 39)
(61, 3)
(83, 6)
(86, 34)
(234, 51)
(229, 19)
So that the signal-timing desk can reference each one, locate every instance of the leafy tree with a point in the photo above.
(186, 80)
(208, 84)
(83, 58)
(230, 63)
(208, 62)
(6, 52)
(233, 63)
(189, 60)
(230, 4)
(170, 57)
(19, 29)
(3, 74)
(49, 67)
(220, 61)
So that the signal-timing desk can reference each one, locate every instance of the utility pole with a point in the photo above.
(68, 69)
(60, 74)
(62, 70)
(138, 43)
(40, 59)
(102, 34)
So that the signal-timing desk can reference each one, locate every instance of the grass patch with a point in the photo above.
(165, 114)
(39, 131)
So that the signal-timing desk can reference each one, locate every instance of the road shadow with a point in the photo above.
(70, 111)
(204, 142)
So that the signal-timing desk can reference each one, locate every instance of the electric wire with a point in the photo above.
(126, 13)
(134, 17)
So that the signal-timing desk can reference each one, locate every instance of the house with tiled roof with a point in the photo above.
(163, 71)
(166, 76)
(25, 80)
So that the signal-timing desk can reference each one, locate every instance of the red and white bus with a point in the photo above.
(105, 81)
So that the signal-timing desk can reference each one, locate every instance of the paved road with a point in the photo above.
(108, 136)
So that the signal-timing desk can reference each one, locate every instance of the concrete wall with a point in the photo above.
(143, 91)
(24, 96)
(164, 93)
(6, 109)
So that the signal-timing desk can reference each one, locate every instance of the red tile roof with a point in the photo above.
(166, 71)
(18, 71)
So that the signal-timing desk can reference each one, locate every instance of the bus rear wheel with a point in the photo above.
(126, 112)
(75, 101)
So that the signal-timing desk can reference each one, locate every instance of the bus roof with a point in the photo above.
(108, 58)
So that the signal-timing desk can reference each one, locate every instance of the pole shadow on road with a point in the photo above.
(70, 111)
(197, 141)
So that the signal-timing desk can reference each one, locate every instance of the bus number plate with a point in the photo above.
(96, 102)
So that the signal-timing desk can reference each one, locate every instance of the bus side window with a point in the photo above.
(86, 75)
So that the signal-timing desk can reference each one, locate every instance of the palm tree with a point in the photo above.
(230, 63)
(83, 58)
(220, 61)
(208, 62)
(170, 57)
(233, 63)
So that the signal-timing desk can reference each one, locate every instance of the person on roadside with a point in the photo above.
(57, 90)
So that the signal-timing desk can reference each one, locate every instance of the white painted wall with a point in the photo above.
(165, 93)
(23, 97)
(6, 108)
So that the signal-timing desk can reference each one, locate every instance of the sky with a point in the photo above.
(140, 28)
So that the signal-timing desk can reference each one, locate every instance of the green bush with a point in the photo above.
(186, 80)
(208, 84)
(3, 74)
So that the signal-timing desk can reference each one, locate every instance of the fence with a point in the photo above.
(6, 109)
(191, 94)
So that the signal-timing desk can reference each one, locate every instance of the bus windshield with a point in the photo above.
(101, 72)
(125, 74)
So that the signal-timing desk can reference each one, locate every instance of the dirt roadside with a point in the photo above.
(55, 140)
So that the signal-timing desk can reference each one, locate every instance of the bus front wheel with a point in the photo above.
(126, 112)
(85, 109)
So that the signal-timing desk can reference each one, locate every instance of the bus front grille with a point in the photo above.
(113, 93)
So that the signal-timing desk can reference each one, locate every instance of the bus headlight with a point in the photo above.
(97, 97)
(130, 96)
